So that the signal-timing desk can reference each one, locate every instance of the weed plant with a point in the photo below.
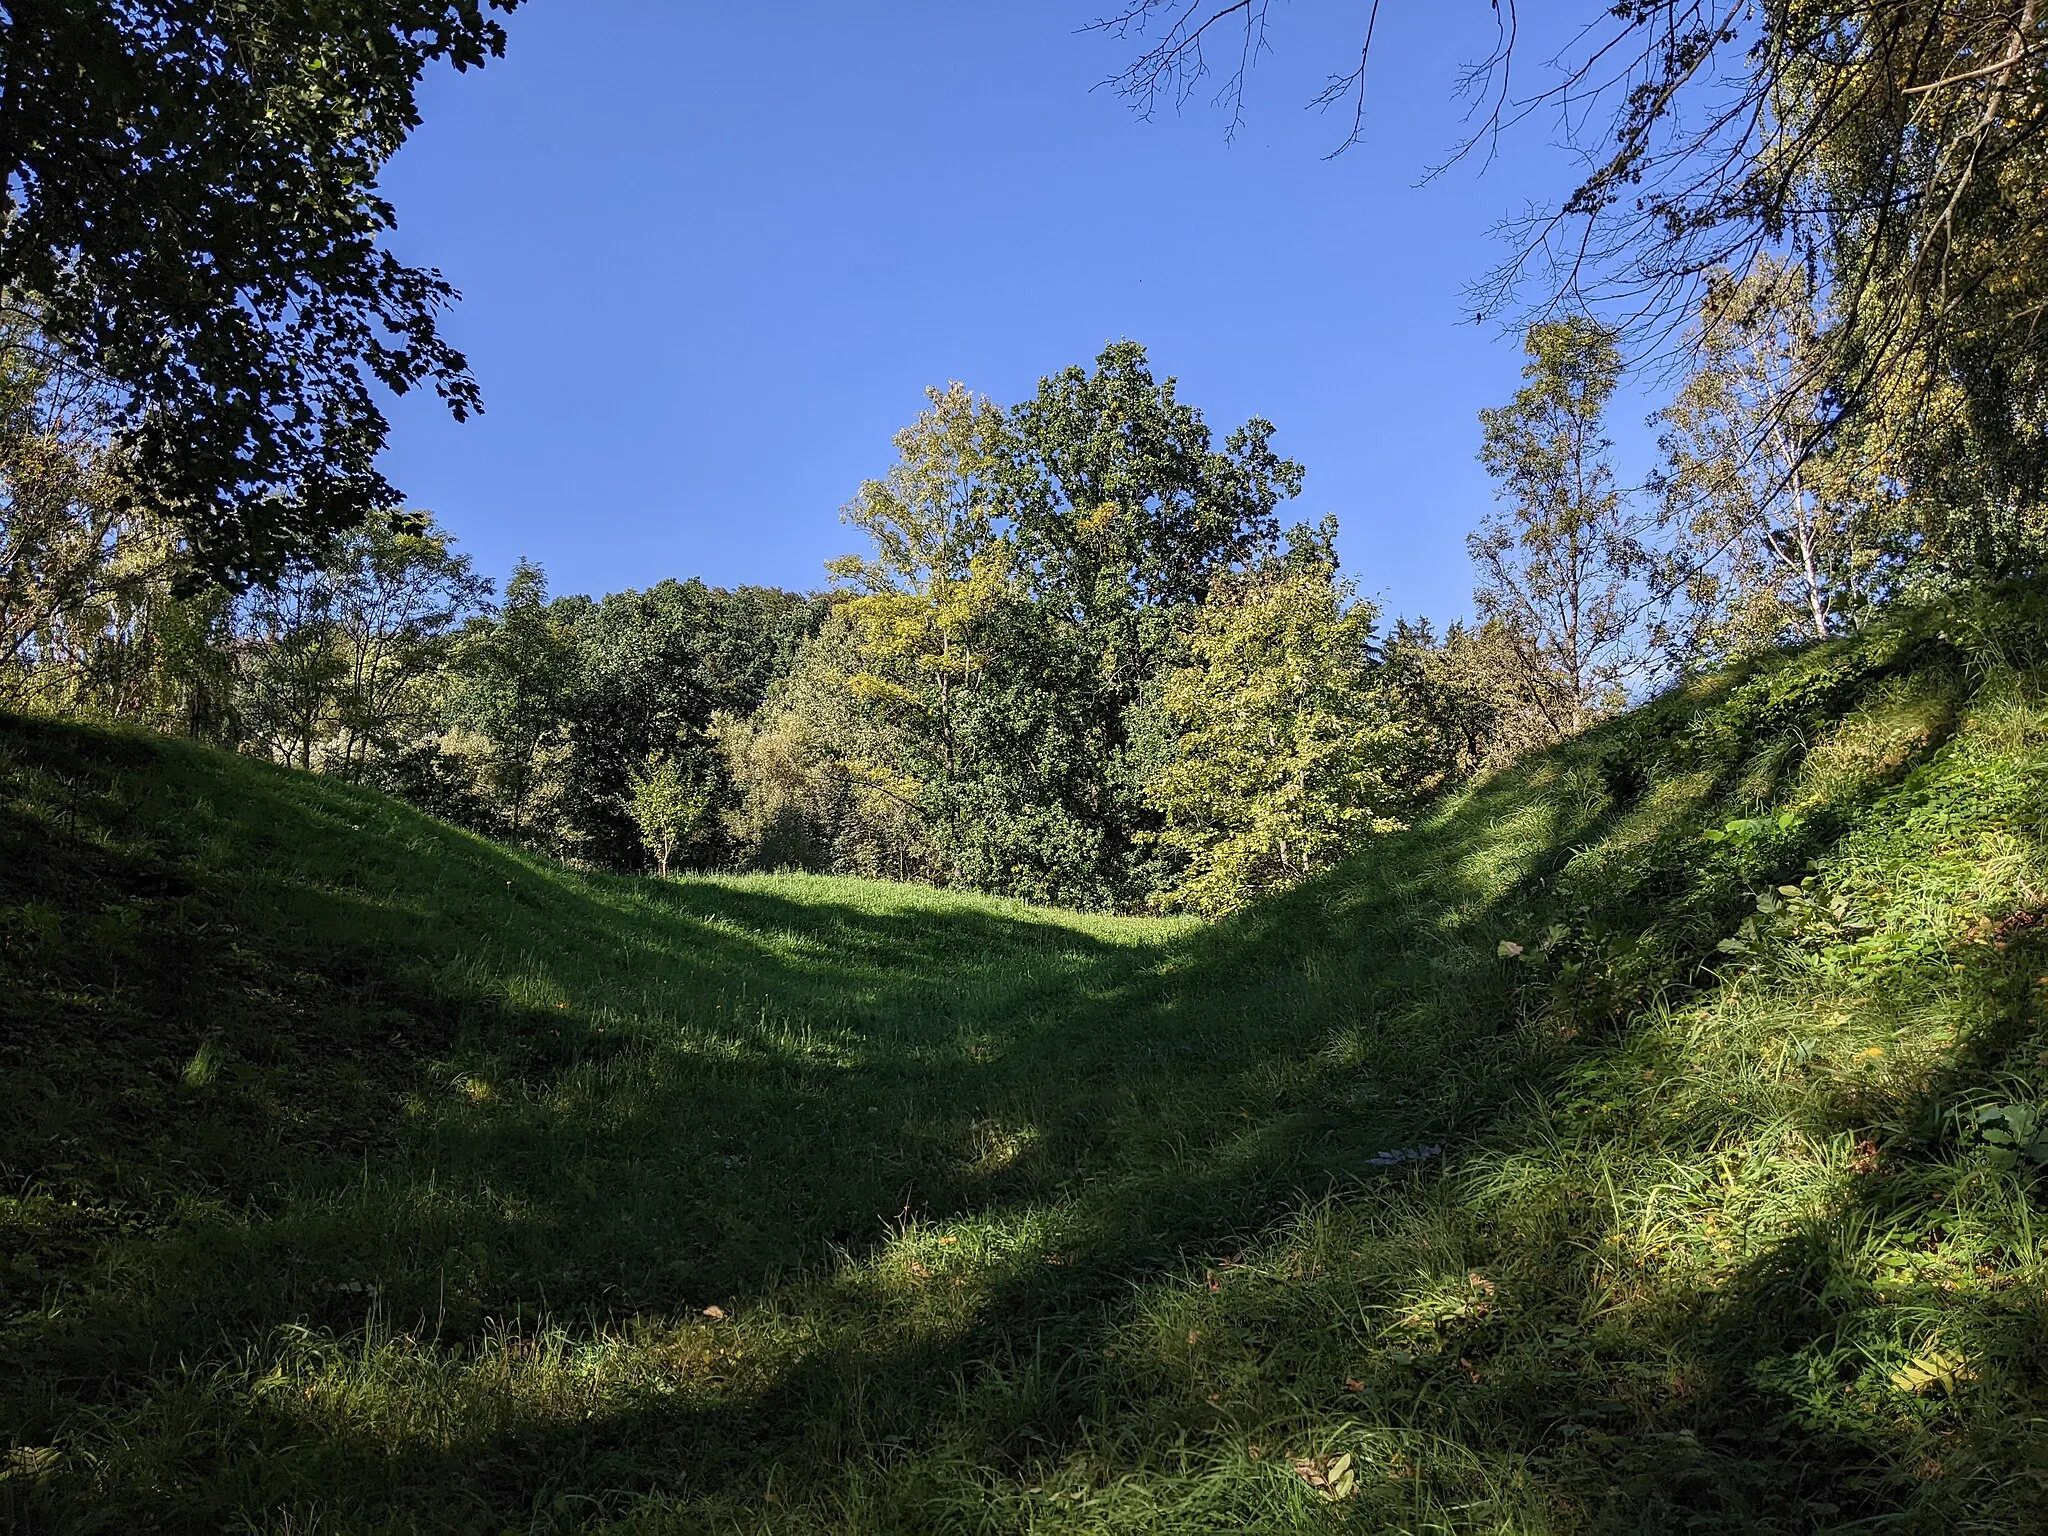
(1649, 1140)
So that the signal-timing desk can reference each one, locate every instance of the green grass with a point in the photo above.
(359, 1175)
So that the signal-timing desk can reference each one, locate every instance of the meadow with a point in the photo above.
(1648, 1139)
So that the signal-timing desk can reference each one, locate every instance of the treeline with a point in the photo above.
(1081, 659)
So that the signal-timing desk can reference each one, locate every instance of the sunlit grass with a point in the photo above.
(360, 1175)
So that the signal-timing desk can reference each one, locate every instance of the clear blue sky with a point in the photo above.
(711, 255)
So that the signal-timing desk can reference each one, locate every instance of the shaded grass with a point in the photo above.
(356, 1174)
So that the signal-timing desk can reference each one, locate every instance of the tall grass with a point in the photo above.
(1638, 1144)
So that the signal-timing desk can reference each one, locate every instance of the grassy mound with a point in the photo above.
(1649, 1141)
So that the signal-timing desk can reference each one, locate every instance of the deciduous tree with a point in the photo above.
(191, 211)
(1560, 566)
(1286, 756)
(667, 805)
(512, 678)
(1775, 513)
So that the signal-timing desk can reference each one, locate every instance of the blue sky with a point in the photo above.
(711, 255)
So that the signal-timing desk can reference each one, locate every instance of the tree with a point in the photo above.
(938, 561)
(1467, 703)
(653, 668)
(293, 667)
(1896, 148)
(968, 689)
(818, 771)
(1287, 756)
(1769, 500)
(512, 678)
(192, 215)
(400, 589)
(62, 507)
(1122, 499)
(1034, 571)
(1126, 512)
(667, 805)
(341, 660)
(1560, 568)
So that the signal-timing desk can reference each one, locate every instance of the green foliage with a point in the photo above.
(1559, 570)
(653, 669)
(60, 497)
(1893, 157)
(365, 1171)
(1286, 757)
(1121, 499)
(1035, 574)
(2014, 1135)
(512, 680)
(1779, 515)
(340, 663)
(192, 209)
(809, 772)
(666, 805)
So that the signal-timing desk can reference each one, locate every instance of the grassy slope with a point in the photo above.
(359, 1175)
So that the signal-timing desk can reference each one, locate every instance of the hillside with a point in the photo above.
(1547, 1168)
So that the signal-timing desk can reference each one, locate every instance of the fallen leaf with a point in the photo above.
(1934, 1368)
(1333, 1479)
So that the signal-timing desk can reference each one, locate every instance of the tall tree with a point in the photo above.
(653, 667)
(1126, 512)
(1560, 568)
(937, 563)
(191, 211)
(1770, 502)
(1897, 148)
(400, 590)
(294, 669)
(1034, 572)
(1124, 500)
(973, 694)
(340, 661)
(1286, 754)
(512, 681)
(62, 502)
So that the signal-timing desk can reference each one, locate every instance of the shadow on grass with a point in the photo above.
(507, 1093)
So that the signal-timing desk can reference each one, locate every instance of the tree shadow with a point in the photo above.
(613, 1103)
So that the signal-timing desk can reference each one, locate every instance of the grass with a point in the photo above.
(1543, 1170)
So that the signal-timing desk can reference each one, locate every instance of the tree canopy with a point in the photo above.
(1897, 150)
(192, 214)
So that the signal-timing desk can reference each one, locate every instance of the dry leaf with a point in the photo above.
(1336, 1478)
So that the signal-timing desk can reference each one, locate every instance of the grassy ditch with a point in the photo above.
(1650, 1140)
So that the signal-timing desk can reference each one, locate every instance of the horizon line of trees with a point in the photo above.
(1081, 661)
